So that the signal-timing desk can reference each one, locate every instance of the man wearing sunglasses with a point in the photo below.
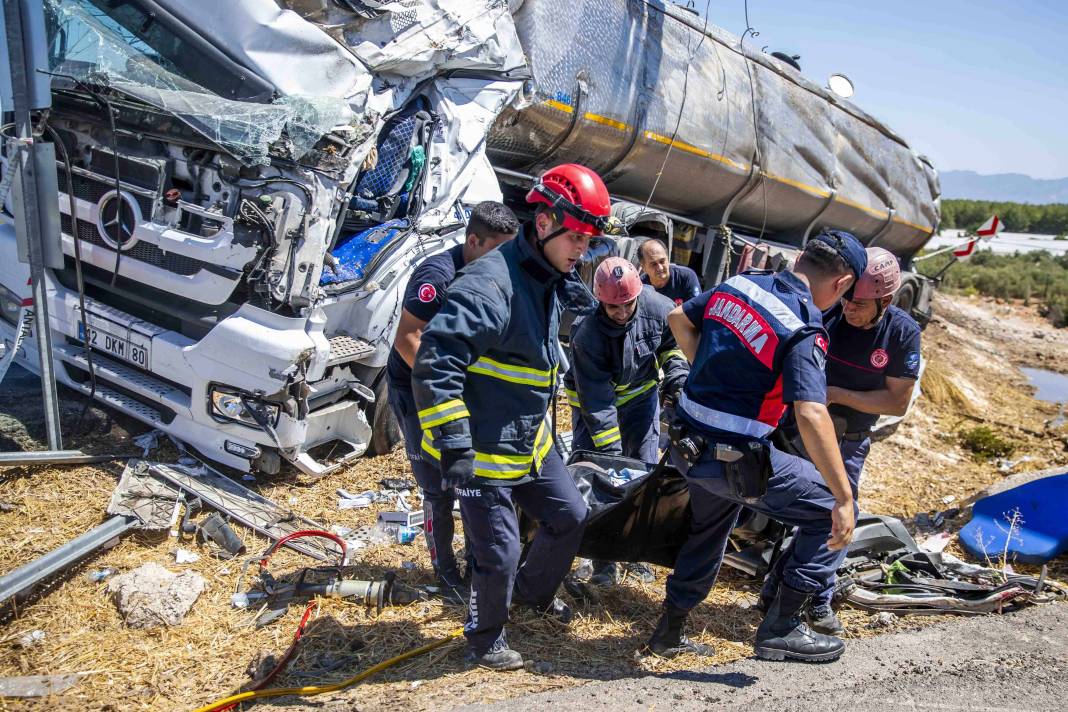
(872, 366)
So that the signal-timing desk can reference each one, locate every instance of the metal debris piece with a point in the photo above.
(38, 685)
(151, 501)
(53, 457)
(243, 505)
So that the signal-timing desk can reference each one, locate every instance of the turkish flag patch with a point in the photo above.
(427, 292)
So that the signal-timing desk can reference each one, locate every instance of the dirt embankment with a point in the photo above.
(972, 350)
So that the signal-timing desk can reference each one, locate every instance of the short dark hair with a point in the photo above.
(643, 243)
(490, 218)
(823, 259)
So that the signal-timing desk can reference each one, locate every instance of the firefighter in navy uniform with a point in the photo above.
(490, 225)
(612, 385)
(872, 366)
(484, 377)
(757, 342)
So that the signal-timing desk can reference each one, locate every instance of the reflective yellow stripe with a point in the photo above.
(663, 358)
(572, 398)
(503, 467)
(443, 413)
(606, 437)
(524, 375)
(630, 395)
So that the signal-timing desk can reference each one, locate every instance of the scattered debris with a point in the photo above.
(538, 667)
(949, 499)
(408, 565)
(7, 507)
(936, 542)
(38, 685)
(148, 442)
(1007, 466)
(151, 596)
(263, 662)
(34, 637)
(883, 619)
(398, 484)
(185, 556)
(99, 575)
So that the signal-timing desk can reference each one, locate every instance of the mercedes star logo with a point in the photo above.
(117, 218)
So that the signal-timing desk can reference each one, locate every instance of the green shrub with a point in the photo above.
(986, 443)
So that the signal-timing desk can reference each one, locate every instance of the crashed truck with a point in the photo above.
(245, 187)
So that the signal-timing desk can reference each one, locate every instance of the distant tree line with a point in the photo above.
(1018, 217)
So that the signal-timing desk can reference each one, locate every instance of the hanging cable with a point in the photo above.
(757, 158)
(78, 278)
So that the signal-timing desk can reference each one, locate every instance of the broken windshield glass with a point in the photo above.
(95, 45)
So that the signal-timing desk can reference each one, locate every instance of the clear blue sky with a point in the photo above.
(977, 86)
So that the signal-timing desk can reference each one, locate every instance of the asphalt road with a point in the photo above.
(1012, 662)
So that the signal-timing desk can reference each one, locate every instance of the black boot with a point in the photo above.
(499, 657)
(783, 634)
(822, 619)
(668, 639)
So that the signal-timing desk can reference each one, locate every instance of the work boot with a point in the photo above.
(668, 640)
(454, 593)
(822, 619)
(640, 572)
(605, 573)
(783, 634)
(556, 608)
(499, 657)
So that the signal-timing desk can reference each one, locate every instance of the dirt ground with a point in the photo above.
(972, 347)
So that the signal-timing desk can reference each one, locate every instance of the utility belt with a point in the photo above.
(857, 436)
(747, 464)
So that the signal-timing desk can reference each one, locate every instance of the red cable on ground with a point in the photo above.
(284, 660)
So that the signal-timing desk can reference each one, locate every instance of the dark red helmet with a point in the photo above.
(577, 195)
(616, 281)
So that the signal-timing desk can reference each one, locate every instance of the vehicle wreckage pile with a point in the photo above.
(75, 626)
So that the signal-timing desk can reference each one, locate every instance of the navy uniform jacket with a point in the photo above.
(762, 345)
(487, 363)
(613, 365)
(861, 359)
(423, 297)
(682, 284)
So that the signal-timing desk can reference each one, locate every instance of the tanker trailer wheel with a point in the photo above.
(905, 299)
(385, 430)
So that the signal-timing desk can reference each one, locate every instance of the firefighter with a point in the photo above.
(484, 378)
(872, 366)
(612, 386)
(675, 282)
(757, 342)
(491, 224)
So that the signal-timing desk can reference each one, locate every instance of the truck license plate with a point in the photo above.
(115, 339)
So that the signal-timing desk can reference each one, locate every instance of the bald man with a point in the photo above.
(675, 282)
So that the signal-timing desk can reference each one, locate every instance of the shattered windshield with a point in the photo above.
(92, 43)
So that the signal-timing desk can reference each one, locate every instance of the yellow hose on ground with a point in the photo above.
(311, 690)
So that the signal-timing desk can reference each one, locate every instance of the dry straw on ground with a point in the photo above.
(207, 656)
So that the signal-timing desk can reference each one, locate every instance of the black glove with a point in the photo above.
(670, 392)
(457, 468)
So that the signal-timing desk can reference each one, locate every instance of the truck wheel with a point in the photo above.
(385, 430)
(905, 299)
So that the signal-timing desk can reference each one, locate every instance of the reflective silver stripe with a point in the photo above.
(769, 301)
(724, 421)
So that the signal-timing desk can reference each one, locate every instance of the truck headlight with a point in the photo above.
(10, 305)
(234, 405)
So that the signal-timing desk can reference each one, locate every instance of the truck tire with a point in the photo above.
(385, 430)
(905, 299)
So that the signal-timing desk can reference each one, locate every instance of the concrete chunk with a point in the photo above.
(151, 596)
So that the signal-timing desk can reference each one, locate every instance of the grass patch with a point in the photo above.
(986, 443)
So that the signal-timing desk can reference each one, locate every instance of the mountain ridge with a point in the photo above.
(1003, 187)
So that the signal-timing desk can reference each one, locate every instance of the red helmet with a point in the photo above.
(577, 196)
(616, 281)
(881, 278)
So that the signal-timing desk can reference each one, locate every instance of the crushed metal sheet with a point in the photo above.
(244, 506)
(152, 501)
